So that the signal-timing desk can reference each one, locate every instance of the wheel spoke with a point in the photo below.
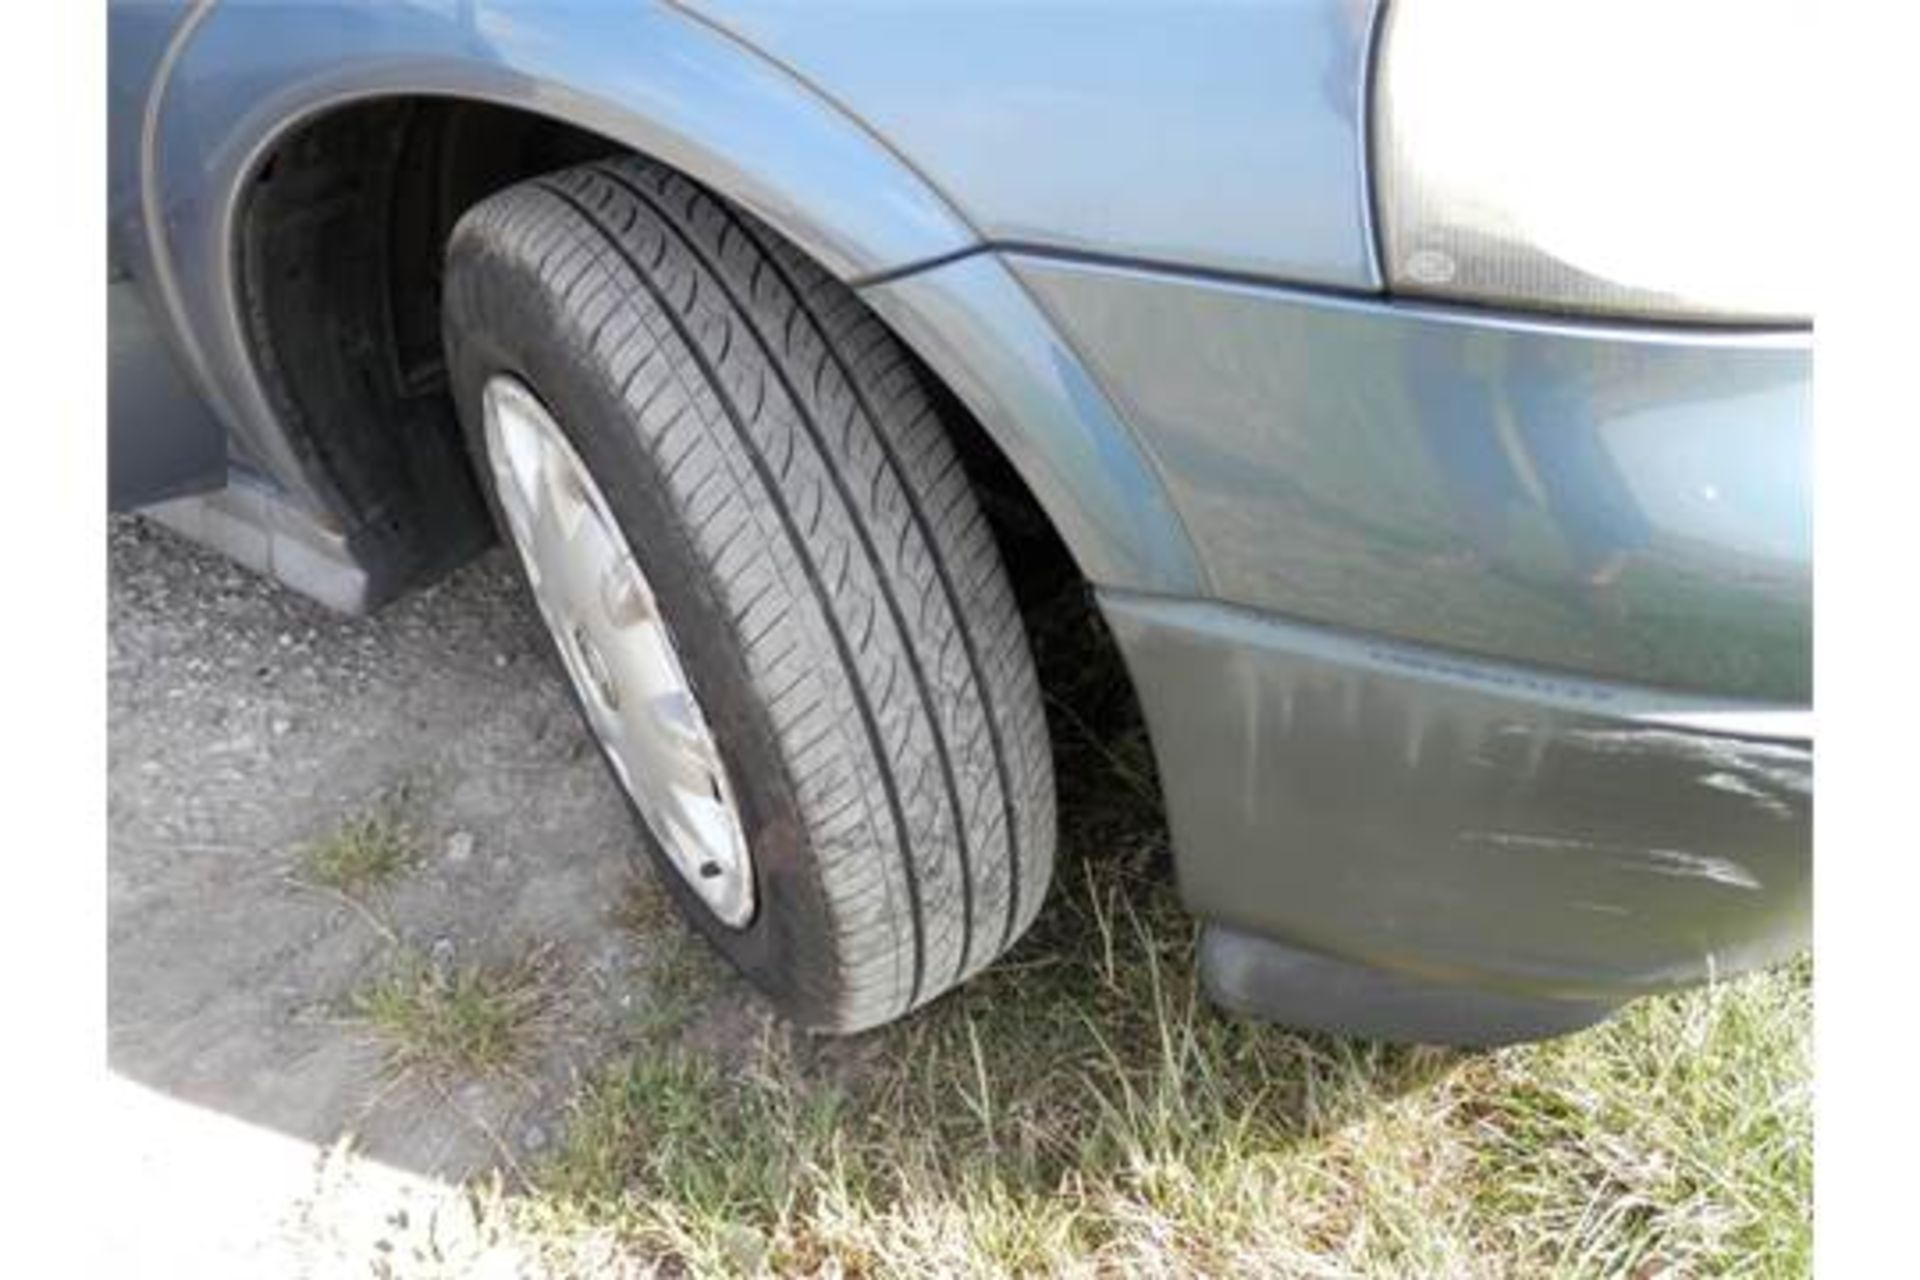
(641, 663)
(623, 597)
(684, 762)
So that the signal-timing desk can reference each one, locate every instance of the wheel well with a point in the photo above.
(338, 264)
(339, 260)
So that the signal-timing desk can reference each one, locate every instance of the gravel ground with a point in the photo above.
(246, 723)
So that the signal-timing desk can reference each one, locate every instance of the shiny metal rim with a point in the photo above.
(600, 608)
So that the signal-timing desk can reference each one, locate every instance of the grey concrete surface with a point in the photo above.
(246, 723)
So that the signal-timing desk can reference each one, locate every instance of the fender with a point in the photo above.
(995, 347)
(642, 74)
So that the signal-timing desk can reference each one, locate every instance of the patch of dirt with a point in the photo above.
(244, 723)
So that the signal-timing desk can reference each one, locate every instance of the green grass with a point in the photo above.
(1080, 1110)
(1677, 1138)
(461, 1021)
(366, 851)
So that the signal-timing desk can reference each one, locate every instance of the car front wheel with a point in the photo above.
(772, 590)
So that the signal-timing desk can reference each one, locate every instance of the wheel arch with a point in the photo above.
(256, 79)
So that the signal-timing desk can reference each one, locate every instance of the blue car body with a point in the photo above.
(1437, 765)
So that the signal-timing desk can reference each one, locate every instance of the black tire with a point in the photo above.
(774, 458)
